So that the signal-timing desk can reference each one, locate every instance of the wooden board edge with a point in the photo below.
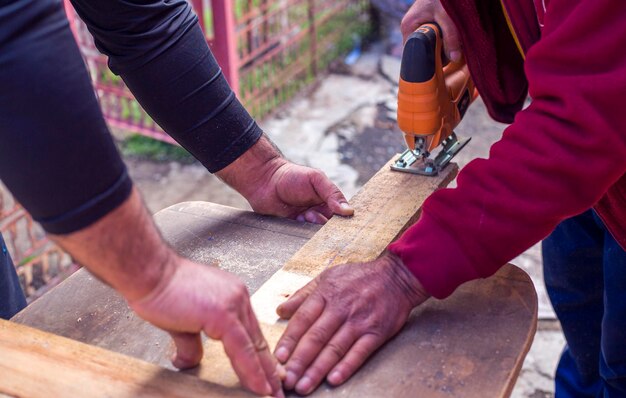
(48, 363)
(530, 337)
(389, 201)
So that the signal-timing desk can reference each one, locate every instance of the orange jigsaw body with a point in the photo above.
(431, 109)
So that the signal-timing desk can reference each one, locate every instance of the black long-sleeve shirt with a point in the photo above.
(56, 154)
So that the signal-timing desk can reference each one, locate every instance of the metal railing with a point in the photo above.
(40, 264)
(268, 50)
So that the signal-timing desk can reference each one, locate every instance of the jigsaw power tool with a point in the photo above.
(432, 99)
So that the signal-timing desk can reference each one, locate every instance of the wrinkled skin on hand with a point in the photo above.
(299, 192)
(275, 186)
(341, 317)
(424, 11)
(197, 299)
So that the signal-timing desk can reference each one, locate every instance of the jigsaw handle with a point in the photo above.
(431, 98)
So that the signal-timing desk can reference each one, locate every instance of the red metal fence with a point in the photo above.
(39, 263)
(268, 50)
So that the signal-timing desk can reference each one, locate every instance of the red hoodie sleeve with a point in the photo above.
(556, 160)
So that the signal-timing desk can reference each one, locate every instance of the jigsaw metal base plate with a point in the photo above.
(414, 162)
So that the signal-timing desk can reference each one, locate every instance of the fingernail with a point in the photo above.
(310, 217)
(455, 56)
(282, 354)
(282, 372)
(304, 385)
(334, 378)
(345, 206)
(290, 380)
(181, 363)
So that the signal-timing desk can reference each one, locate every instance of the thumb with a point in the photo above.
(330, 193)
(188, 349)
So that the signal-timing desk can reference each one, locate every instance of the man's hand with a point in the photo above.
(424, 11)
(273, 185)
(198, 298)
(299, 192)
(125, 250)
(341, 317)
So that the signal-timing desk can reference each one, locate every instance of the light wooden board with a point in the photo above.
(38, 364)
(387, 205)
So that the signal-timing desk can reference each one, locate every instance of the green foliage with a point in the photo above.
(207, 19)
(265, 85)
(26, 260)
(148, 148)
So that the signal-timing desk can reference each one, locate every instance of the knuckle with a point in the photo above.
(360, 352)
(361, 316)
(368, 292)
(241, 292)
(317, 174)
(249, 350)
(274, 377)
(297, 364)
(337, 350)
(228, 311)
(260, 344)
(364, 323)
(375, 327)
(288, 341)
(405, 25)
(369, 321)
(223, 309)
(303, 315)
(318, 335)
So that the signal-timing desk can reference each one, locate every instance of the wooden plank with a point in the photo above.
(448, 348)
(388, 204)
(85, 309)
(469, 345)
(38, 364)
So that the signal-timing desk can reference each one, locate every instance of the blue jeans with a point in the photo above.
(11, 296)
(585, 276)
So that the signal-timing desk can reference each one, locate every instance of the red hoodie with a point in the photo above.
(562, 155)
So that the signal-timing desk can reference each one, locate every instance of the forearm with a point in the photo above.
(254, 165)
(124, 249)
(157, 47)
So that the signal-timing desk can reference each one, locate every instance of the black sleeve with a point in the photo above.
(56, 154)
(159, 50)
